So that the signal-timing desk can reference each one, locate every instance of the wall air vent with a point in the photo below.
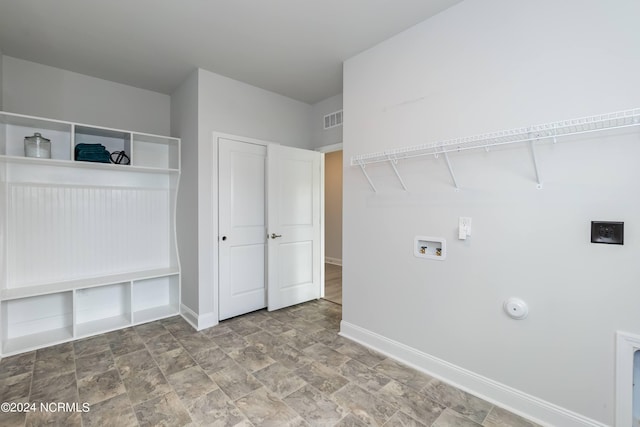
(332, 120)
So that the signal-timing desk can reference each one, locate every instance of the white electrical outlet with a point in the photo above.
(464, 227)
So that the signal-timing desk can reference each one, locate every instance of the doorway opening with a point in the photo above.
(269, 248)
(333, 166)
(636, 388)
(627, 379)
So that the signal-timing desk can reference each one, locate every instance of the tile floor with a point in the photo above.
(285, 368)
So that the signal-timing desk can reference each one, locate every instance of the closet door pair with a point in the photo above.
(270, 222)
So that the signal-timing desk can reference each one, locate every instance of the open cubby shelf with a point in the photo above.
(85, 248)
(39, 321)
(144, 150)
(102, 325)
(36, 340)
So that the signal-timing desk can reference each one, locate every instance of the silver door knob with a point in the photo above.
(275, 236)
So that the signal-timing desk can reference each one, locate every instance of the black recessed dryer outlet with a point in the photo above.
(607, 232)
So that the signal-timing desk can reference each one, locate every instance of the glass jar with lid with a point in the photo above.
(37, 146)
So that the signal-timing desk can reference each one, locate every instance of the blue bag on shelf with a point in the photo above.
(92, 153)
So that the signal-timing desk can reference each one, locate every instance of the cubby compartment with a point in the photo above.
(430, 247)
(30, 323)
(155, 298)
(155, 151)
(102, 308)
(112, 140)
(14, 128)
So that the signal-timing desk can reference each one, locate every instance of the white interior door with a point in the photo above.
(294, 250)
(242, 228)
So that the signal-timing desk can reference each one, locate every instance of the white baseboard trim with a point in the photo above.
(199, 322)
(189, 315)
(334, 261)
(516, 401)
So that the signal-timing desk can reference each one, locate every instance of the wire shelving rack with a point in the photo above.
(532, 134)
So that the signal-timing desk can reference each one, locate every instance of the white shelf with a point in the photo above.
(40, 123)
(84, 131)
(155, 151)
(28, 291)
(85, 165)
(36, 321)
(155, 298)
(102, 325)
(14, 128)
(155, 313)
(532, 134)
(93, 316)
(36, 340)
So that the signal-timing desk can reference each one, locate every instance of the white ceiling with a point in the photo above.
(291, 47)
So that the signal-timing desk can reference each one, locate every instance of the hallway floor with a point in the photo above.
(284, 368)
(333, 283)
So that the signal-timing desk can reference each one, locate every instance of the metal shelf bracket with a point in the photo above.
(393, 162)
(532, 144)
(366, 175)
(453, 176)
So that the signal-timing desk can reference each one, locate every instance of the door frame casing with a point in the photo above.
(216, 136)
(330, 148)
(324, 150)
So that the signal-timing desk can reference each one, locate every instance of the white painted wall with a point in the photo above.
(39, 90)
(227, 106)
(184, 123)
(479, 67)
(230, 106)
(319, 136)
